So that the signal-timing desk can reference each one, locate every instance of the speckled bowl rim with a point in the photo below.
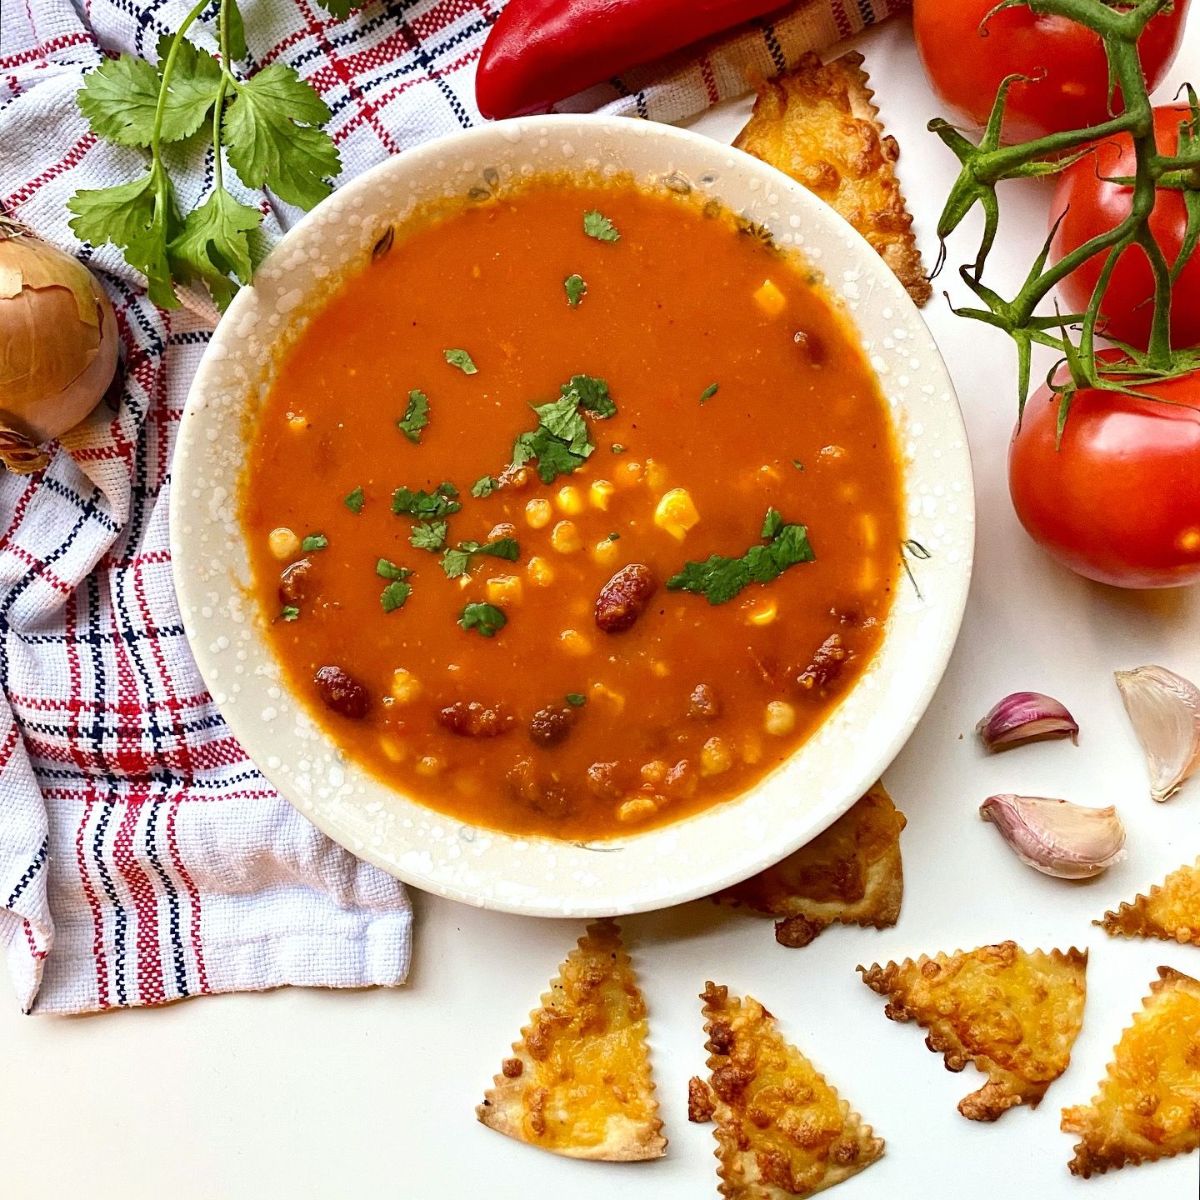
(532, 875)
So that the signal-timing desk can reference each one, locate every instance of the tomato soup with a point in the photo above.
(575, 510)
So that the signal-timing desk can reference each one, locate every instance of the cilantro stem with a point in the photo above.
(222, 87)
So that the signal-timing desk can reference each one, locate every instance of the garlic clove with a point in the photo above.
(1056, 837)
(1165, 711)
(1026, 717)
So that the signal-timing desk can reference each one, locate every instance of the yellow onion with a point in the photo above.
(58, 346)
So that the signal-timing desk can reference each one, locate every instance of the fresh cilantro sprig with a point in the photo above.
(485, 619)
(597, 225)
(458, 559)
(416, 415)
(576, 288)
(719, 579)
(462, 360)
(425, 506)
(267, 126)
(397, 592)
(562, 443)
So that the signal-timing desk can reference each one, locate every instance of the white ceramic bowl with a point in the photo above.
(528, 874)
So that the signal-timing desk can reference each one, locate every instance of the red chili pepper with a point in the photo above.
(542, 50)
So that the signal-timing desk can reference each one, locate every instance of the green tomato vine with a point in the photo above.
(987, 163)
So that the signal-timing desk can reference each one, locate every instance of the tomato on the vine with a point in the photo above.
(966, 61)
(1119, 500)
(1090, 203)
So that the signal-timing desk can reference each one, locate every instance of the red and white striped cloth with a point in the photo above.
(143, 858)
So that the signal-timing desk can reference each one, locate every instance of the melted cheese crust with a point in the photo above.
(1170, 911)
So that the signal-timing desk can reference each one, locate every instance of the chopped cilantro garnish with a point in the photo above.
(429, 535)
(462, 360)
(314, 541)
(441, 502)
(483, 487)
(576, 699)
(709, 392)
(487, 619)
(576, 289)
(597, 225)
(386, 569)
(289, 612)
(416, 415)
(719, 579)
(561, 443)
(457, 561)
(394, 595)
(354, 501)
(797, 464)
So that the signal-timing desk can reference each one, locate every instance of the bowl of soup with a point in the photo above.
(573, 518)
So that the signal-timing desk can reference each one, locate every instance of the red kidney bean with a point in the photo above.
(474, 720)
(703, 704)
(826, 665)
(550, 725)
(624, 598)
(341, 692)
(602, 780)
(294, 581)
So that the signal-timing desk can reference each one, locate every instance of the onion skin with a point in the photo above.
(58, 345)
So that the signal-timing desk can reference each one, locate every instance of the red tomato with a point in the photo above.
(1094, 206)
(1119, 501)
(1070, 88)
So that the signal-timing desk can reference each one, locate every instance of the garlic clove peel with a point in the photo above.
(1024, 717)
(1056, 837)
(1164, 709)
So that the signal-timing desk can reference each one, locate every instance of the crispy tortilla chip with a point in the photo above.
(701, 1101)
(578, 1082)
(782, 1131)
(818, 124)
(1014, 1013)
(1171, 911)
(1148, 1105)
(850, 873)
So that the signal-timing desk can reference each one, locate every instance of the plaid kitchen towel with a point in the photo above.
(143, 858)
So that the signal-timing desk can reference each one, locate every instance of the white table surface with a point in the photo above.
(317, 1094)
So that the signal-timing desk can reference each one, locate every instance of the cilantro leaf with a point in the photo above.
(597, 225)
(576, 699)
(719, 579)
(429, 535)
(314, 541)
(709, 392)
(416, 415)
(354, 501)
(425, 506)
(457, 561)
(271, 136)
(462, 360)
(340, 9)
(562, 443)
(487, 619)
(235, 30)
(214, 244)
(394, 595)
(289, 612)
(483, 487)
(120, 97)
(591, 394)
(576, 289)
(137, 219)
(386, 569)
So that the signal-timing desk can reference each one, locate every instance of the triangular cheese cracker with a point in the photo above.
(1014, 1013)
(1148, 1106)
(782, 1131)
(819, 124)
(578, 1082)
(850, 873)
(1171, 911)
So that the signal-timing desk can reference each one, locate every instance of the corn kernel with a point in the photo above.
(605, 695)
(573, 642)
(429, 764)
(394, 750)
(762, 613)
(654, 771)
(676, 513)
(770, 299)
(629, 474)
(715, 757)
(503, 529)
(283, 542)
(297, 422)
(600, 493)
(605, 552)
(752, 750)
(538, 514)
(504, 590)
(406, 687)
(569, 500)
(564, 537)
(656, 474)
(518, 477)
(639, 808)
(540, 572)
(780, 718)
(659, 668)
